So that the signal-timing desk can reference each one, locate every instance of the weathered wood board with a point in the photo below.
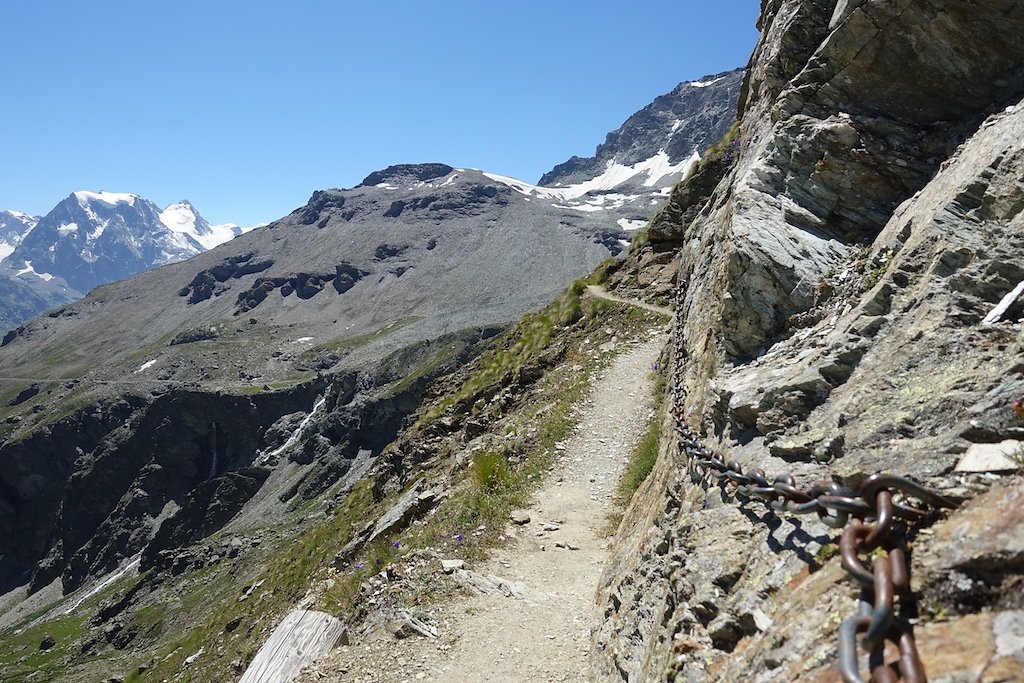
(300, 639)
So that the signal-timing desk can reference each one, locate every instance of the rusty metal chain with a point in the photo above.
(885, 587)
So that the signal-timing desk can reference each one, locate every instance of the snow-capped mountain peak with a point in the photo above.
(182, 218)
(14, 225)
(92, 238)
(112, 198)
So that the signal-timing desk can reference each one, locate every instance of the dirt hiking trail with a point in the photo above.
(602, 293)
(534, 623)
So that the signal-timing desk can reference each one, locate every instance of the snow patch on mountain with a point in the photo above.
(111, 198)
(97, 232)
(146, 366)
(659, 166)
(655, 168)
(28, 269)
(614, 174)
(704, 84)
(226, 231)
(523, 187)
(631, 224)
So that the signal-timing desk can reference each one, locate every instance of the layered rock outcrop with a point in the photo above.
(848, 307)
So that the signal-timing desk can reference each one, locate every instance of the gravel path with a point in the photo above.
(602, 293)
(556, 561)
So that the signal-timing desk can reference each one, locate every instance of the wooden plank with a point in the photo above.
(300, 639)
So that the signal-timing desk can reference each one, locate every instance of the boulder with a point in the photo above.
(449, 566)
(1005, 456)
(519, 517)
(413, 503)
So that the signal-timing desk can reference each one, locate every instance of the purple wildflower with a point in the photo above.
(360, 565)
(458, 537)
(395, 544)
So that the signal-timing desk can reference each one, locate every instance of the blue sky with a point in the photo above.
(245, 107)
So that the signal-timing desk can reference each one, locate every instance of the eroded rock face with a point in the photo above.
(151, 453)
(833, 138)
(837, 281)
(302, 285)
(205, 509)
(205, 283)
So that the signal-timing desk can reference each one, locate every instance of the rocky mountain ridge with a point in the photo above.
(691, 118)
(654, 148)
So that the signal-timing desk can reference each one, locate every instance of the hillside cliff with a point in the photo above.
(848, 303)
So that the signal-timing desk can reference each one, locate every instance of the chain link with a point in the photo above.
(885, 587)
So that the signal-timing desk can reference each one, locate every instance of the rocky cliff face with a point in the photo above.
(849, 303)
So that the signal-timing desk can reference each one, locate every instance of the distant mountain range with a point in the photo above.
(89, 239)
(93, 238)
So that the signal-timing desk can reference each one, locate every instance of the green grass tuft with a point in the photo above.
(645, 455)
(490, 472)
(642, 461)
